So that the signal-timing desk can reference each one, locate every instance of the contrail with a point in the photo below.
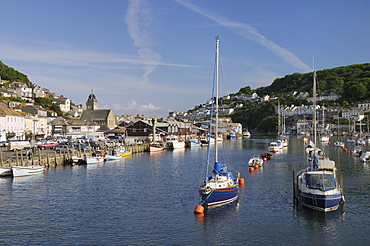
(138, 21)
(251, 33)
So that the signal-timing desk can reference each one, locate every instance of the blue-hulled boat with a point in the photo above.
(221, 186)
(317, 187)
(192, 142)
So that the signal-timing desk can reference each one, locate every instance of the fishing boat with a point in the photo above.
(19, 171)
(173, 142)
(316, 186)
(255, 160)
(192, 142)
(155, 147)
(221, 186)
(5, 171)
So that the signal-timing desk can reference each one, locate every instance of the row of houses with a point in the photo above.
(29, 92)
(25, 120)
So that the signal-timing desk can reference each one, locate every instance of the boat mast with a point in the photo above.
(216, 105)
(314, 109)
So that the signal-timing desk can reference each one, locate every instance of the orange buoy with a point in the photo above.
(365, 145)
(241, 181)
(350, 152)
(328, 142)
(264, 159)
(199, 209)
(255, 166)
(274, 151)
(251, 169)
(344, 150)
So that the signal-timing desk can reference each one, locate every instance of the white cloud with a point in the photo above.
(134, 108)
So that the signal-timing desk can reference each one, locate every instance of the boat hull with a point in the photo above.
(94, 160)
(5, 172)
(192, 144)
(320, 202)
(219, 196)
(19, 171)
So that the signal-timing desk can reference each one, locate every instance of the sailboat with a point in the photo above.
(221, 186)
(316, 186)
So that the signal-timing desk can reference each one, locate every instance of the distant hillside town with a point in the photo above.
(29, 111)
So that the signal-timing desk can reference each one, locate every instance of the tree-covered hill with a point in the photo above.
(9, 73)
(351, 82)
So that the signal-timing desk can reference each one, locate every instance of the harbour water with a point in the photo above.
(148, 199)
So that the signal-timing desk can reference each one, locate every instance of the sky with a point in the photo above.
(152, 57)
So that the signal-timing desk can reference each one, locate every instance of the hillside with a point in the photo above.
(351, 82)
(10, 74)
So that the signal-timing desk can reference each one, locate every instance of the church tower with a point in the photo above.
(92, 103)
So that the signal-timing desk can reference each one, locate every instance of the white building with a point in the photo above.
(12, 123)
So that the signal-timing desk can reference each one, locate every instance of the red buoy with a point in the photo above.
(241, 181)
(251, 169)
(255, 166)
(199, 209)
(264, 159)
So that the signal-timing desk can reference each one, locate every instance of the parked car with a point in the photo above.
(63, 148)
(27, 151)
(83, 147)
(48, 145)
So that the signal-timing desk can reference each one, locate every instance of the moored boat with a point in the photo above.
(94, 160)
(338, 144)
(255, 160)
(109, 157)
(155, 147)
(5, 171)
(266, 156)
(221, 187)
(365, 157)
(318, 188)
(19, 171)
(357, 151)
(125, 153)
(173, 142)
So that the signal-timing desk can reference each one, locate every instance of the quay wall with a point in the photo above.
(50, 158)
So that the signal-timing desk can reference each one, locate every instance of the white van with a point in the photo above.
(13, 145)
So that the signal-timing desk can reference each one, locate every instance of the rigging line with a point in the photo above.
(207, 197)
